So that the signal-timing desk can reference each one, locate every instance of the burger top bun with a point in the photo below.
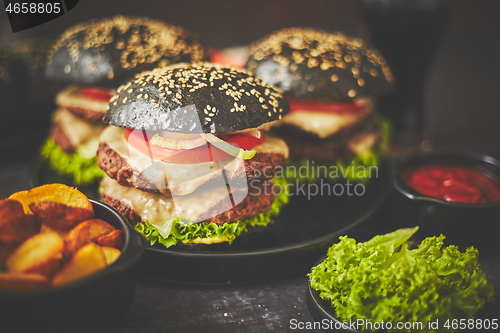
(101, 52)
(178, 97)
(310, 63)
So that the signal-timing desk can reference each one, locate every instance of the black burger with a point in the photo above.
(186, 157)
(94, 57)
(329, 80)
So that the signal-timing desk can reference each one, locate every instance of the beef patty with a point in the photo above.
(261, 167)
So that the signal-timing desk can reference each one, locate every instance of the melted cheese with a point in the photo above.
(72, 97)
(324, 124)
(182, 179)
(363, 143)
(81, 134)
(161, 211)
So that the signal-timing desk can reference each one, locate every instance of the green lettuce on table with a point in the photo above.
(384, 280)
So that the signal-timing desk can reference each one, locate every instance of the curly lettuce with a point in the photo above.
(383, 280)
(186, 232)
(82, 170)
(357, 169)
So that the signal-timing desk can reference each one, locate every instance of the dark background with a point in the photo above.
(461, 108)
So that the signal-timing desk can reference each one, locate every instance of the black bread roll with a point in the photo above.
(175, 98)
(110, 51)
(315, 64)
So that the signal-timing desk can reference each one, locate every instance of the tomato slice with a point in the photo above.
(206, 153)
(243, 140)
(222, 57)
(346, 107)
(97, 93)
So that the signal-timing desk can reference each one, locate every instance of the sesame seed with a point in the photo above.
(351, 93)
(334, 78)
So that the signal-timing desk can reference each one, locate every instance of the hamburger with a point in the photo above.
(330, 81)
(93, 58)
(185, 155)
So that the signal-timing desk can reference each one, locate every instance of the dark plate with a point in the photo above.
(302, 232)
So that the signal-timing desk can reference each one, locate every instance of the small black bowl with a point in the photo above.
(463, 224)
(87, 305)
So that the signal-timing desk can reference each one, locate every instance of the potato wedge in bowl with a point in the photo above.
(31, 301)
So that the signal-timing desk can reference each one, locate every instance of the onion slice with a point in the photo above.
(229, 148)
(177, 141)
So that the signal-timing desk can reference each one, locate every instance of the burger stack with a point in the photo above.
(186, 157)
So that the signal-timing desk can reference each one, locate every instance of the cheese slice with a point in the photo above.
(161, 211)
(363, 143)
(324, 124)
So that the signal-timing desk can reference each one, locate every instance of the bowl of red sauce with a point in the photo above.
(450, 192)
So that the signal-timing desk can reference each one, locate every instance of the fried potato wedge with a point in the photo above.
(88, 260)
(46, 229)
(53, 192)
(58, 215)
(6, 249)
(113, 239)
(10, 208)
(40, 254)
(22, 282)
(15, 225)
(84, 233)
(111, 254)
(18, 229)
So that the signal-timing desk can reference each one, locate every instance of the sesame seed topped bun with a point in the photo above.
(311, 63)
(101, 52)
(224, 99)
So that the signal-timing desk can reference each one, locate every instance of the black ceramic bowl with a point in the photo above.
(87, 305)
(463, 224)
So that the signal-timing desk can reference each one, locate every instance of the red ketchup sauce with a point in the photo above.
(450, 183)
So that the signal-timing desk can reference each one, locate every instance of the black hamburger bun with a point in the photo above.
(226, 100)
(316, 64)
(101, 52)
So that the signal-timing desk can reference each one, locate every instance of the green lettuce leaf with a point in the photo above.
(383, 280)
(357, 169)
(82, 170)
(184, 231)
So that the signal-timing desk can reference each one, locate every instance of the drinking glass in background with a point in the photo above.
(407, 33)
